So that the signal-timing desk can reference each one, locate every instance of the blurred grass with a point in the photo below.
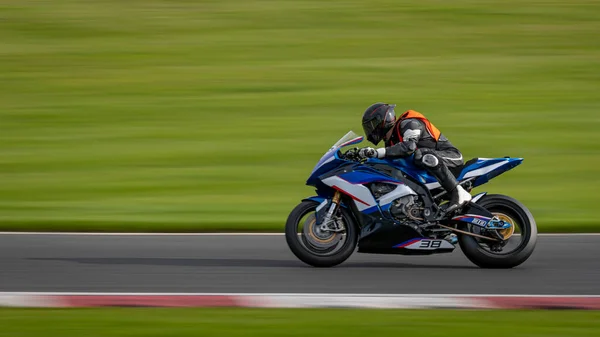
(209, 115)
(294, 322)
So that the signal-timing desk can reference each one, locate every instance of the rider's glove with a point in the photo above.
(367, 152)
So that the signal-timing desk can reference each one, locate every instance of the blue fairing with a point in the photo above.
(330, 160)
(328, 163)
(407, 166)
(364, 175)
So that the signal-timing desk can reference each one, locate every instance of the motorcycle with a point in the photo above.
(388, 206)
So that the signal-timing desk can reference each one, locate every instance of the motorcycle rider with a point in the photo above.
(413, 133)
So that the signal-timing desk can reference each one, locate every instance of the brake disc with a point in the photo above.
(316, 236)
(507, 232)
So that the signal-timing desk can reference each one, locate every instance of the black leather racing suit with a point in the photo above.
(417, 140)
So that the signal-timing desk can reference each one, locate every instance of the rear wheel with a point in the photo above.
(315, 246)
(519, 240)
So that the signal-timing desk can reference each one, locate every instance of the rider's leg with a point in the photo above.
(436, 163)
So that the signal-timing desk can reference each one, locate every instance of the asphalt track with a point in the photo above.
(561, 265)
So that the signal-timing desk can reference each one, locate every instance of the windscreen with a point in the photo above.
(350, 138)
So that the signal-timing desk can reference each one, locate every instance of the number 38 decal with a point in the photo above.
(430, 244)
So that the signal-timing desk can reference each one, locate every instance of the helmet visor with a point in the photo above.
(391, 111)
(371, 129)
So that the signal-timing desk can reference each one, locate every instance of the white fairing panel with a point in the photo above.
(398, 192)
(484, 170)
(360, 194)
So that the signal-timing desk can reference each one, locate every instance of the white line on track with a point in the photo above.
(283, 294)
(568, 234)
(140, 234)
(215, 234)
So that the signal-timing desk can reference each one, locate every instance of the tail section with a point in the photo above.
(485, 169)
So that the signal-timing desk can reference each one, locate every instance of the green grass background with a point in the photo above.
(294, 322)
(209, 115)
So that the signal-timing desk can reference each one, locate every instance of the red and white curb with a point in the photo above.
(78, 300)
(17, 233)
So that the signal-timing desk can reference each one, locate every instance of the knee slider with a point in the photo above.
(430, 160)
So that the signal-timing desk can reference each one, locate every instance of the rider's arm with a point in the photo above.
(411, 133)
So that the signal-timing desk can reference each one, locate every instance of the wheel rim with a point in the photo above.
(315, 240)
(508, 232)
(514, 238)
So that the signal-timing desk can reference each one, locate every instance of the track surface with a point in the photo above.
(263, 264)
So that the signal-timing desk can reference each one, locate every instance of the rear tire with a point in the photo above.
(305, 255)
(483, 258)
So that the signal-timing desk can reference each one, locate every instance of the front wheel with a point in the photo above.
(519, 240)
(314, 246)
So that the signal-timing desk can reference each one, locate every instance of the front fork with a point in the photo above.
(335, 201)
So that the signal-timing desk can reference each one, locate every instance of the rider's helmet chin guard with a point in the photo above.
(377, 120)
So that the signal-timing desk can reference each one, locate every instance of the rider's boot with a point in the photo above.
(459, 196)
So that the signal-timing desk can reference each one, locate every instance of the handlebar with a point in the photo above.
(353, 155)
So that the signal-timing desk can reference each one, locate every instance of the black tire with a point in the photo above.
(305, 255)
(517, 211)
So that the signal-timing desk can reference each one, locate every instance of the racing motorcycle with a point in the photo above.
(388, 206)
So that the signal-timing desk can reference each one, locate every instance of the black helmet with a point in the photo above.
(378, 119)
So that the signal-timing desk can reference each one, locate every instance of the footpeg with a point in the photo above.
(452, 238)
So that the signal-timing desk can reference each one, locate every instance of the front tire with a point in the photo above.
(300, 246)
(510, 208)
